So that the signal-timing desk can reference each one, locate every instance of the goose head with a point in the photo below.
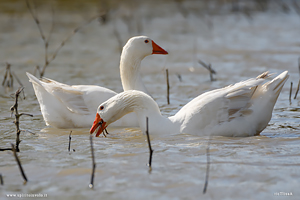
(142, 46)
(135, 50)
(120, 105)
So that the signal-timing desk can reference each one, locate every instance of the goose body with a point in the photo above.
(242, 109)
(74, 106)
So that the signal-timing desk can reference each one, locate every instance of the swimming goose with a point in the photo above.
(74, 106)
(242, 109)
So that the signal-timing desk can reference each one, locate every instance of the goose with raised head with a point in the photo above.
(242, 109)
(74, 106)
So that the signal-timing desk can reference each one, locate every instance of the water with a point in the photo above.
(257, 167)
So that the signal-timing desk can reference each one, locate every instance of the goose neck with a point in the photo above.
(129, 71)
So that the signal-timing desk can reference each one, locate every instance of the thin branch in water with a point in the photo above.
(6, 149)
(65, 40)
(291, 90)
(8, 80)
(297, 90)
(168, 86)
(299, 80)
(46, 40)
(69, 141)
(118, 37)
(91, 185)
(179, 77)
(1, 180)
(19, 163)
(37, 68)
(296, 7)
(14, 109)
(17, 78)
(209, 68)
(207, 166)
(149, 144)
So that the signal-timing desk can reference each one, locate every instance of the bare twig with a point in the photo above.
(17, 78)
(207, 166)
(91, 185)
(168, 86)
(118, 37)
(297, 90)
(149, 144)
(37, 68)
(291, 90)
(46, 40)
(69, 141)
(6, 149)
(14, 109)
(179, 77)
(65, 40)
(209, 68)
(296, 7)
(299, 80)
(1, 180)
(8, 80)
(19, 163)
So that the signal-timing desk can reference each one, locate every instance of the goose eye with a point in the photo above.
(146, 41)
(101, 107)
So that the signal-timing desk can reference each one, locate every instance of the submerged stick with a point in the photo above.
(209, 68)
(291, 90)
(207, 166)
(8, 80)
(14, 109)
(6, 149)
(297, 90)
(17, 78)
(70, 141)
(149, 144)
(66, 39)
(1, 179)
(118, 37)
(46, 40)
(19, 163)
(91, 185)
(299, 80)
(168, 86)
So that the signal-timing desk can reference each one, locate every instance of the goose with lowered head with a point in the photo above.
(73, 106)
(242, 109)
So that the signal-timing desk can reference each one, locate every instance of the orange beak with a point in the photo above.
(98, 122)
(157, 49)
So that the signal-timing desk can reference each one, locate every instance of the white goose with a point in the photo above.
(65, 106)
(242, 109)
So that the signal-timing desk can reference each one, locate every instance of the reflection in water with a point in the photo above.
(238, 48)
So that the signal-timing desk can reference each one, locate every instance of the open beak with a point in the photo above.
(157, 49)
(98, 122)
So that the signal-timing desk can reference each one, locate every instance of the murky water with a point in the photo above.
(238, 47)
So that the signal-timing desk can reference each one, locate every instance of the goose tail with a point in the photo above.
(33, 79)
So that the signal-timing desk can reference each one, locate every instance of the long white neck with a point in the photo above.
(130, 72)
(157, 124)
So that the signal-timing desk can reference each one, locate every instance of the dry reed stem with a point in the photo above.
(291, 90)
(14, 109)
(8, 80)
(46, 40)
(168, 86)
(91, 185)
(70, 141)
(149, 144)
(207, 166)
(19, 163)
(209, 68)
